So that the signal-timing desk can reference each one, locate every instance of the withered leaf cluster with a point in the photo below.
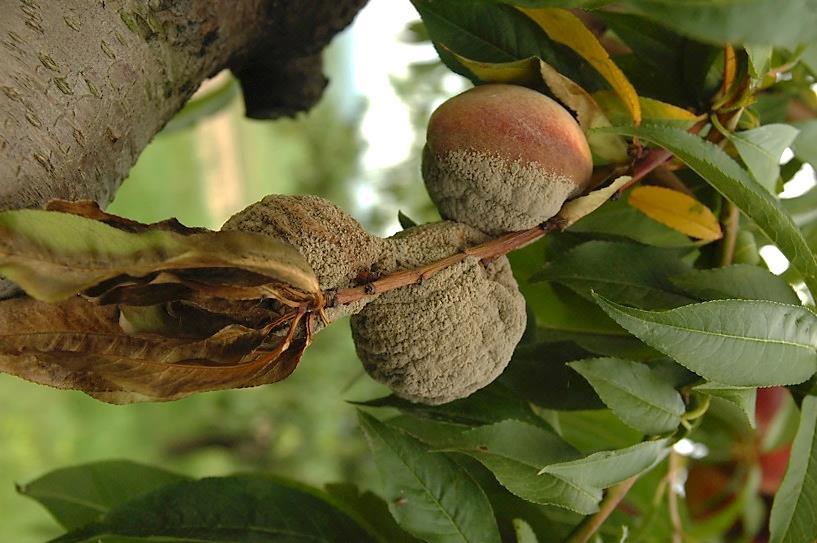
(128, 312)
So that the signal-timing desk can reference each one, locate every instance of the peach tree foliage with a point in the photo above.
(654, 328)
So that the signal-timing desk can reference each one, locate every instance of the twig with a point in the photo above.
(731, 223)
(667, 178)
(672, 498)
(485, 251)
(590, 525)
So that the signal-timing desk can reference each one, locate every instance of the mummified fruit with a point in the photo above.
(448, 336)
(333, 243)
(503, 158)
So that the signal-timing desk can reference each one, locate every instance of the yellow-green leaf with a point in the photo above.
(565, 28)
(651, 109)
(590, 116)
(53, 255)
(678, 211)
(520, 72)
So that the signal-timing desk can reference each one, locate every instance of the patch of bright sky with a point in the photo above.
(378, 55)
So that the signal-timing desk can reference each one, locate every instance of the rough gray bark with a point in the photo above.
(85, 84)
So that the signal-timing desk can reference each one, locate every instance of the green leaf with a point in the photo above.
(405, 221)
(728, 178)
(598, 430)
(429, 495)
(538, 373)
(761, 149)
(637, 395)
(738, 281)
(559, 310)
(805, 146)
(79, 495)
(493, 403)
(743, 397)
(239, 508)
(488, 31)
(370, 511)
(515, 452)
(734, 342)
(524, 533)
(768, 22)
(601, 345)
(633, 274)
(760, 59)
(606, 468)
(794, 515)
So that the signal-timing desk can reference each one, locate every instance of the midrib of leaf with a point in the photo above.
(737, 136)
(746, 338)
(428, 491)
(639, 398)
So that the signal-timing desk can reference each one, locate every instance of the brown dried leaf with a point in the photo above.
(76, 344)
(91, 210)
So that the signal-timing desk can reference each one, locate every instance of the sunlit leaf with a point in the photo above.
(728, 178)
(676, 210)
(564, 27)
(651, 110)
(761, 149)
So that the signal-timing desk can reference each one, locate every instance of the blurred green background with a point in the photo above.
(360, 148)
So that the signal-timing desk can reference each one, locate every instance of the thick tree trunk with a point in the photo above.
(85, 84)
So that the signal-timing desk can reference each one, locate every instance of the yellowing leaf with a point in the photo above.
(519, 72)
(678, 211)
(574, 210)
(565, 28)
(605, 146)
(651, 109)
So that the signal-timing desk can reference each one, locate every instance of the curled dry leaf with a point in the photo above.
(130, 312)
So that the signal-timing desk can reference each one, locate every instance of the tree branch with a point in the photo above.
(590, 525)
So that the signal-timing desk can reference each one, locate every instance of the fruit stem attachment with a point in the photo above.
(590, 525)
(489, 250)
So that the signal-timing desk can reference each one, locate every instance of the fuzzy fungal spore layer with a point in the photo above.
(448, 336)
(333, 243)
